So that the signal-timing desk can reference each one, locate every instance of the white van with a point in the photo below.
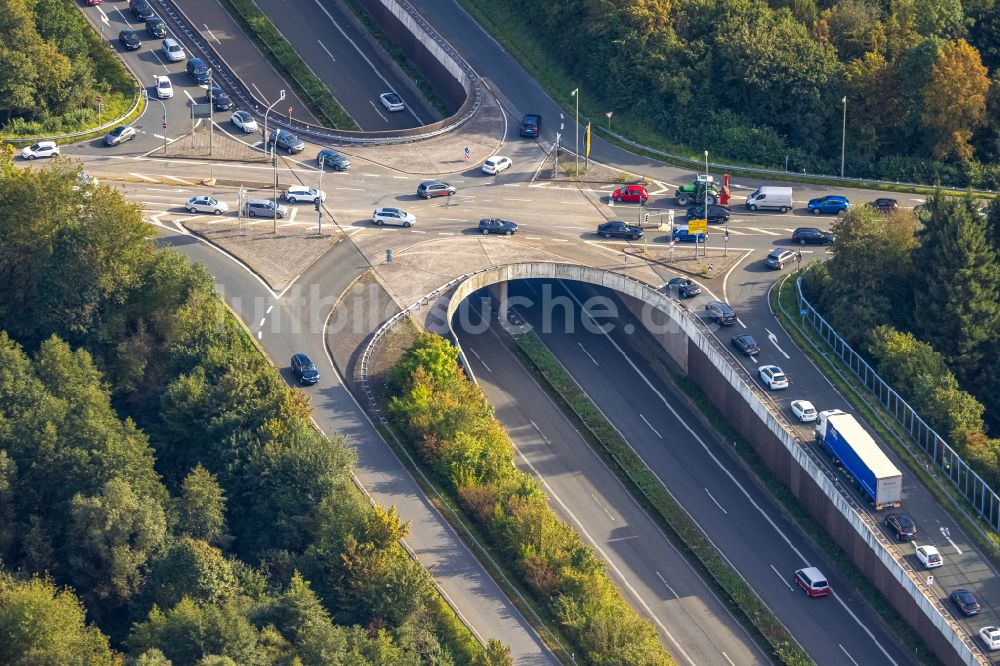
(770, 197)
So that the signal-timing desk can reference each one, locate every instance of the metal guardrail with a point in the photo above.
(980, 495)
(777, 174)
(225, 77)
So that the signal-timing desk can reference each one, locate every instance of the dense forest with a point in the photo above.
(164, 497)
(757, 81)
(52, 66)
(919, 294)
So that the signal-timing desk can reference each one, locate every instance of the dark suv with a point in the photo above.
(129, 40)
(716, 214)
(902, 526)
(156, 27)
(721, 313)
(304, 369)
(804, 235)
(531, 125)
(685, 288)
(199, 71)
(141, 9)
(965, 601)
(286, 141)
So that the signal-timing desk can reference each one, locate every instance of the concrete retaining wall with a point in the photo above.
(734, 392)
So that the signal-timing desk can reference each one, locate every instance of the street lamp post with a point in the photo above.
(843, 137)
(274, 160)
(576, 94)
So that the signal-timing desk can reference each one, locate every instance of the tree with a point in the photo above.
(875, 100)
(112, 535)
(192, 569)
(153, 657)
(955, 99)
(300, 616)
(41, 624)
(854, 27)
(939, 18)
(495, 654)
(956, 283)
(201, 507)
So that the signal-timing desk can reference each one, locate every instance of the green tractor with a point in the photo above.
(695, 193)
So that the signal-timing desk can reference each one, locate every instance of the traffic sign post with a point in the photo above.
(100, 109)
(671, 245)
(467, 153)
(725, 243)
(289, 115)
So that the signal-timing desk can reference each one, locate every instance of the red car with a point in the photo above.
(631, 193)
(92, 3)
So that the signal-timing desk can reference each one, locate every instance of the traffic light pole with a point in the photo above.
(319, 202)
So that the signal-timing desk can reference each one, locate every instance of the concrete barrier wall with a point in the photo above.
(707, 362)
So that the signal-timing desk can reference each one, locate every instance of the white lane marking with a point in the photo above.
(513, 199)
(539, 430)
(261, 324)
(848, 654)
(727, 658)
(262, 95)
(711, 497)
(574, 228)
(259, 335)
(377, 111)
(533, 238)
(481, 360)
(350, 189)
(417, 231)
(575, 203)
(764, 231)
(628, 538)
(602, 506)
(667, 585)
(946, 533)
(402, 177)
(211, 34)
(588, 354)
(145, 178)
(162, 189)
(452, 219)
(725, 470)
(189, 96)
(445, 233)
(269, 308)
(782, 579)
(323, 46)
(725, 281)
(611, 565)
(375, 69)
(291, 216)
(179, 180)
(774, 341)
(651, 426)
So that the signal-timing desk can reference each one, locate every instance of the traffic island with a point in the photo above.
(709, 263)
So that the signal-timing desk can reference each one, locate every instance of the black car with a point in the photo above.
(531, 125)
(721, 313)
(220, 100)
(618, 229)
(965, 601)
(685, 288)
(141, 9)
(493, 225)
(129, 40)
(328, 157)
(901, 525)
(199, 71)
(716, 214)
(812, 235)
(885, 205)
(156, 27)
(304, 369)
(746, 344)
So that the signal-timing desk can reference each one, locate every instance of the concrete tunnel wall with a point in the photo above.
(725, 383)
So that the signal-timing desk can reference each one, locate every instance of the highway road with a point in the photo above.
(706, 479)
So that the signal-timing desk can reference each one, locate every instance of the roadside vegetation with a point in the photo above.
(164, 497)
(446, 419)
(53, 66)
(920, 299)
(760, 83)
(286, 60)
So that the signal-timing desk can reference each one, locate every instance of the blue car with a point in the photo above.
(682, 234)
(831, 204)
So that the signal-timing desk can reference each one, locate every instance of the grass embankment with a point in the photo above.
(641, 481)
(506, 23)
(309, 87)
(784, 302)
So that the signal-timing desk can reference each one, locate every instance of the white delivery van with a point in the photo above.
(770, 197)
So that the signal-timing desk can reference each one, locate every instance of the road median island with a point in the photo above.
(283, 56)
(643, 484)
(445, 419)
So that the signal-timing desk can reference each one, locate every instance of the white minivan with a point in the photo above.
(771, 197)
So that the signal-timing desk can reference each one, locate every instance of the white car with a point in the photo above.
(393, 216)
(172, 51)
(496, 164)
(204, 204)
(929, 557)
(303, 193)
(244, 121)
(164, 89)
(991, 637)
(803, 410)
(392, 102)
(773, 377)
(40, 149)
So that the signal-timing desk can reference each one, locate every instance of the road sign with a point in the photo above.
(711, 268)
(289, 110)
(467, 152)
(164, 126)
(803, 312)
(99, 98)
(697, 226)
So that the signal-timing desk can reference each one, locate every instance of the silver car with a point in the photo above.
(172, 51)
(393, 216)
(205, 204)
(120, 134)
(264, 208)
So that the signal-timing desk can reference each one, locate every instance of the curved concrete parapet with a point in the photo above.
(398, 17)
(705, 360)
